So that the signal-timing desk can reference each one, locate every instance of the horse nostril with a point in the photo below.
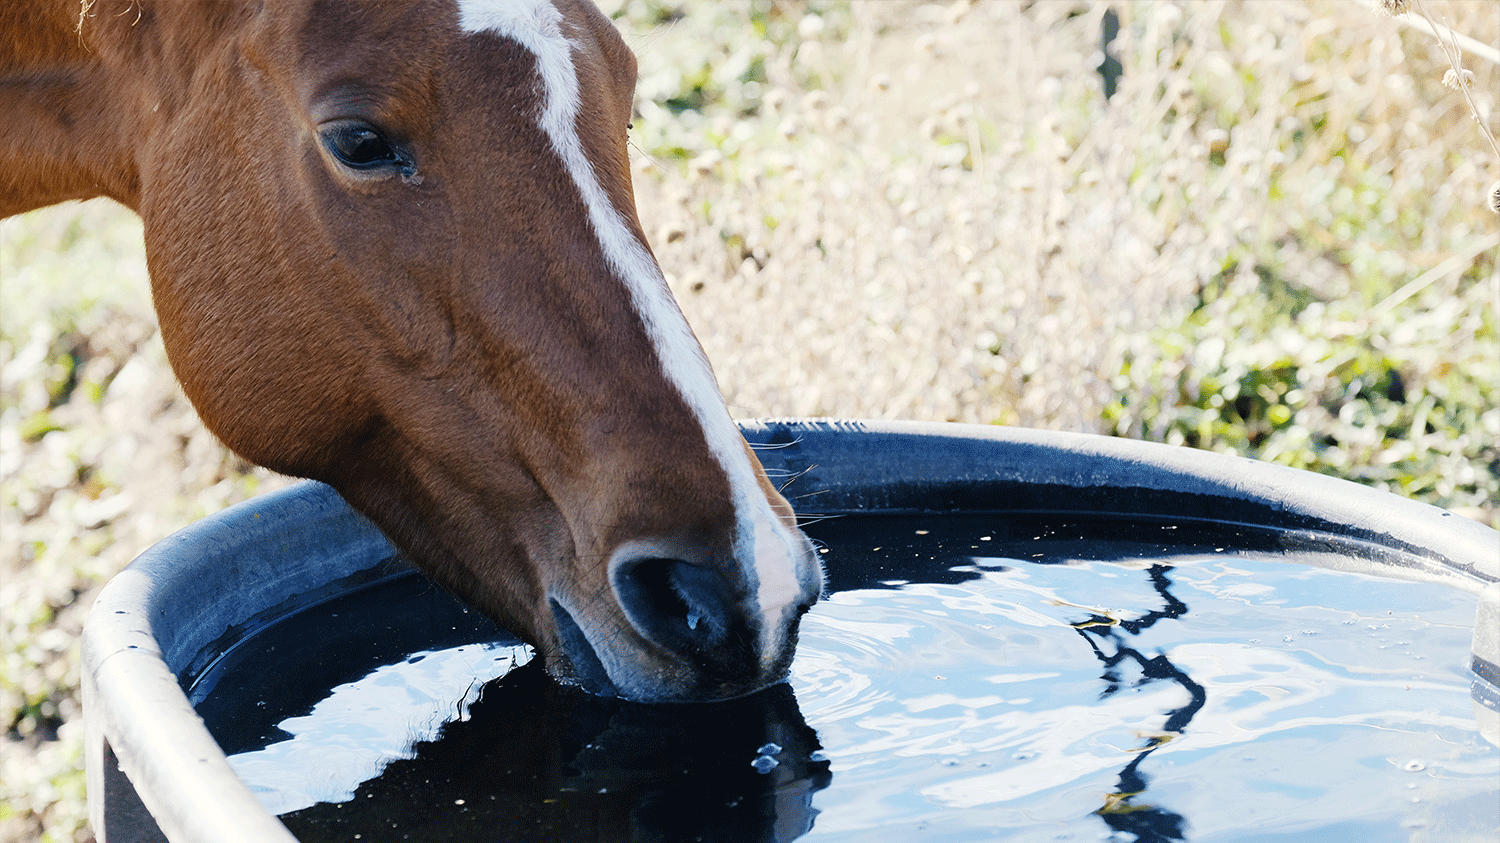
(674, 603)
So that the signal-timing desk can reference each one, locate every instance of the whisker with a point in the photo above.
(650, 37)
(794, 478)
(644, 154)
(773, 446)
(639, 45)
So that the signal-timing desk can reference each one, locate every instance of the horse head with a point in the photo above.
(393, 247)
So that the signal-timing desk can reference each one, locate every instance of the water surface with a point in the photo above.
(968, 678)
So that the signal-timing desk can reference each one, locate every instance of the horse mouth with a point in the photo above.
(583, 667)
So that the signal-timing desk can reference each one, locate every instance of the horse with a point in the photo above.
(394, 248)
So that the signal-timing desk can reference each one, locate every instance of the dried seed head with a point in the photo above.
(1494, 198)
(1394, 7)
(1458, 78)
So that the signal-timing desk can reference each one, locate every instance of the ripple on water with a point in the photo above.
(970, 689)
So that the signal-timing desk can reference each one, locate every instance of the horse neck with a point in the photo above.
(74, 76)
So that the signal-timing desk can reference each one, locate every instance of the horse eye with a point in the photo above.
(359, 146)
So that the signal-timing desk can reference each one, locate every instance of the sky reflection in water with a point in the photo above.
(1216, 698)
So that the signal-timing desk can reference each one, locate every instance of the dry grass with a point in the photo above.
(897, 210)
(969, 233)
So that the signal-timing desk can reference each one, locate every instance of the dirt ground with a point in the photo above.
(886, 210)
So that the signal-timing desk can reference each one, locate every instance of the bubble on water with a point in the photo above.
(769, 749)
(765, 764)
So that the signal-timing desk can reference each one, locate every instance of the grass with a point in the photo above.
(1270, 241)
(1289, 194)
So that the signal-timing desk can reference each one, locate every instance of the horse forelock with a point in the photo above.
(760, 535)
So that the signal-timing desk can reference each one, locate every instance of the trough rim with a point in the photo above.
(134, 703)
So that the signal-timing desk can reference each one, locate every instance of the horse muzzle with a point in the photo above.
(677, 626)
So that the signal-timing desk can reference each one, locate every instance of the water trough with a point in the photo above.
(159, 638)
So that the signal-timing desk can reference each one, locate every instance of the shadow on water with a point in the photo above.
(538, 761)
(1125, 810)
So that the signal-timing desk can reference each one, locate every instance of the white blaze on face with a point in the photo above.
(538, 26)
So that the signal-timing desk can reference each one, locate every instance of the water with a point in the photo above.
(969, 678)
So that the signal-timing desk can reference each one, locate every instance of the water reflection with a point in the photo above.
(1125, 809)
(977, 682)
(1109, 636)
(538, 761)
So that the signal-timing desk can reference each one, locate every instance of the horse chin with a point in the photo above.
(576, 662)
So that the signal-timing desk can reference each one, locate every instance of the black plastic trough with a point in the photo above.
(155, 772)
